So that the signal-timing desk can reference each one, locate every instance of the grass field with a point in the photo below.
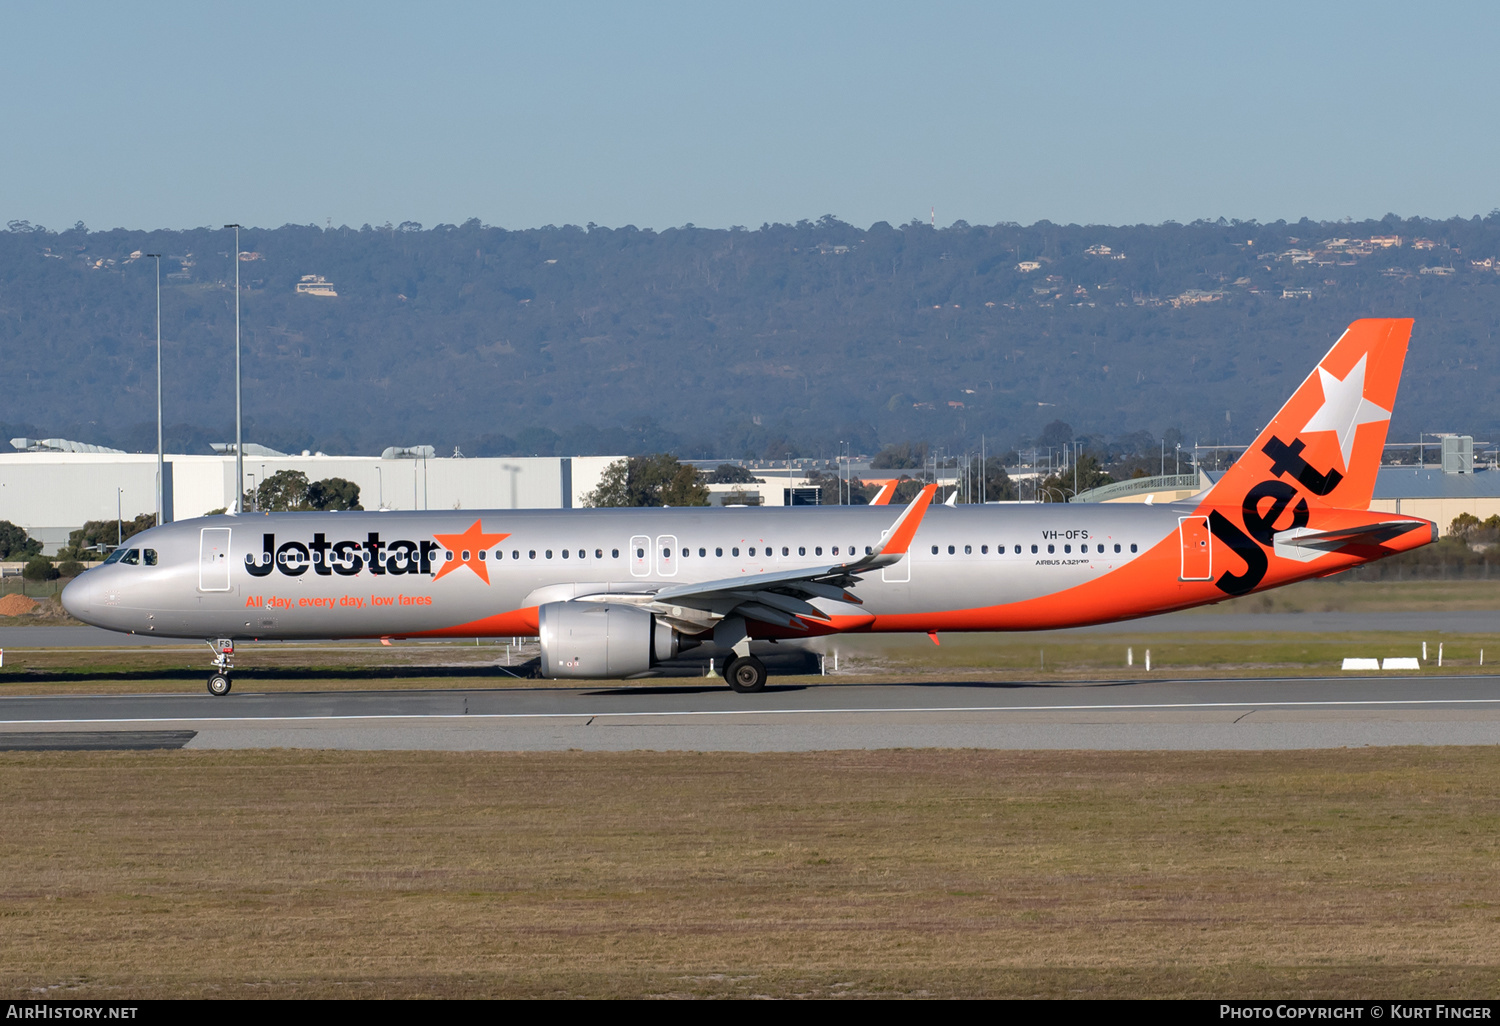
(1354, 873)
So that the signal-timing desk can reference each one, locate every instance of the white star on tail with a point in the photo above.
(1345, 407)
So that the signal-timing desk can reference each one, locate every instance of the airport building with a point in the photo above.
(51, 488)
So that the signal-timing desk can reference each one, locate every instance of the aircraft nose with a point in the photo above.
(78, 596)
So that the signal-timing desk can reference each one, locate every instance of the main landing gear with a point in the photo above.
(746, 674)
(219, 682)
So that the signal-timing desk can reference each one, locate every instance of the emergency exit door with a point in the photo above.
(640, 556)
(1197, 553)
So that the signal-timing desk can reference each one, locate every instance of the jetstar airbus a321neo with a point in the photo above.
(612, 592)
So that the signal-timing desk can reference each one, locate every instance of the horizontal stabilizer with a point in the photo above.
(1302, 544)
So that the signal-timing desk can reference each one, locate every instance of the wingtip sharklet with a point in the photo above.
(905, 527)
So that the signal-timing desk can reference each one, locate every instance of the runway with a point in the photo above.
(1181, 715)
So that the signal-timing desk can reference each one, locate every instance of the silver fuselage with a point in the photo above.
(373, 574)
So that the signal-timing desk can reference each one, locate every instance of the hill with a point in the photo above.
(731, 341)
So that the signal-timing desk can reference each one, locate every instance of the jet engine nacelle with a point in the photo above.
(602, 639)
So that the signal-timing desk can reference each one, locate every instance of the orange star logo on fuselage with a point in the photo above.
(468, 547)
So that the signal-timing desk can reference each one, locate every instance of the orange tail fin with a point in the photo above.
(1327, 440)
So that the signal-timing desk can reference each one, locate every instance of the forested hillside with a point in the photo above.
(731, 342)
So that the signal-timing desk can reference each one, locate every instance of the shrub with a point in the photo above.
(40, 568)
(70, 568)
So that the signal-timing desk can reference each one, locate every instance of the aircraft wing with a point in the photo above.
(784, 597)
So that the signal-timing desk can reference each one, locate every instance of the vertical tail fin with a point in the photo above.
(1328, 438)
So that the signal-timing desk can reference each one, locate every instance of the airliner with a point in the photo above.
(612, 593)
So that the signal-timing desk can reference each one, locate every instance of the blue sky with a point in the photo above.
(176, 115)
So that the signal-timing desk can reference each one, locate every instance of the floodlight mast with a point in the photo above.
(161, 480)
(239, 436)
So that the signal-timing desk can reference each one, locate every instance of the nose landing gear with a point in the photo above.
(219, 682)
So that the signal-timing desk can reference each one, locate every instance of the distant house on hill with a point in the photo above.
(315, 285)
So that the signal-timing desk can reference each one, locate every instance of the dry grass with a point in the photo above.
(1360, 873)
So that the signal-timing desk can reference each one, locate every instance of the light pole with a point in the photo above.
(119, 518)
(160, 458)
(239, 438)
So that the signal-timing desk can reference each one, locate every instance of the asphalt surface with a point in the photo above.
(1482, 621)
(1156, 715)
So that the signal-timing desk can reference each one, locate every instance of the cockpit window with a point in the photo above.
(115, 556)
(148, 556)
(132, 557)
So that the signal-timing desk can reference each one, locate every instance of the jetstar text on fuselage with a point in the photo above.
(344, 558)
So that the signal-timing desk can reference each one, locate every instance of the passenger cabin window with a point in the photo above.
(736, 550)
(1033, 549)
(719, 551)
(1018, 549)
(1132, 546)
(818, 551)
(984, 550)
(702, 553)
(934, 550)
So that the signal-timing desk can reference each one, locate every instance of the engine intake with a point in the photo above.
(603, 640)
